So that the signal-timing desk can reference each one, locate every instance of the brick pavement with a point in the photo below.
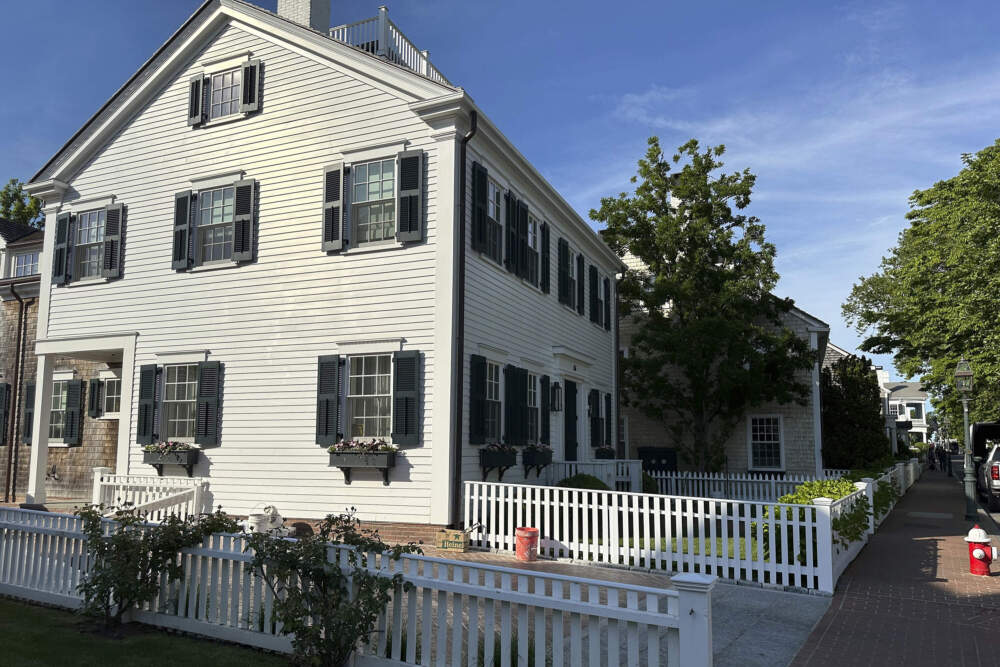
(908, 598)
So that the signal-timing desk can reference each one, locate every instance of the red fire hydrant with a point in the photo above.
(981, 554)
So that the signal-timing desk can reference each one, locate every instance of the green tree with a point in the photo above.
(709, 340)
(853, 426)
(936, 296)
(19, 206)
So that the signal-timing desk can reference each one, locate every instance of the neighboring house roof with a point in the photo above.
(11, 231)
(906, 390)
(834, 353)
(35, 236)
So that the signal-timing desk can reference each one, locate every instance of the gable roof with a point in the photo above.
(34, 237)
(11, 231)
(904, 390)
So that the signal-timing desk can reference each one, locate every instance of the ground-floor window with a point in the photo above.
(369, 404)
(180, 391)
(57, 412)
(765, 442)
(532, 408)
(112, 396)
(492, 429)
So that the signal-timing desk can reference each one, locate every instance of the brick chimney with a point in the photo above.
(314, 14)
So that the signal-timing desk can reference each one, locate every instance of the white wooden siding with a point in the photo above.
(267, 321)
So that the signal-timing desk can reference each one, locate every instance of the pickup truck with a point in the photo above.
(988, 478)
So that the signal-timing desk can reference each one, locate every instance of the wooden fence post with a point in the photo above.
(694, 613)
(824, 544)
(98, 474)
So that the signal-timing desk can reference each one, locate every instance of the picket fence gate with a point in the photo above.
(155, 496)
(456, 613)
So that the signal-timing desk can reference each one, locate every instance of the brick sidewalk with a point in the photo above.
(908, 598)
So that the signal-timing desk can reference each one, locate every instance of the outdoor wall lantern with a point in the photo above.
(557, 397)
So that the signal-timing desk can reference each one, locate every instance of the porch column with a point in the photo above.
(40, 432)
(125, 415)
(816, 404)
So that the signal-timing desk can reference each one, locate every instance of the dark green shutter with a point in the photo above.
(509, 404)
(580, 306)
(196, 98)
(406, 398)
(545, 411)
(480, 194)
(94, 398)
(545, 271)
(250, 86)
(243, 219)
(113, 220)
(477, 400)
(510, 256)
(206, 428)
(146, 426)
(409, 211)
(73, 424)
(327, 400)
(607, 304)
(595, 302)
(563, 272)
(608, 422)
(4, 411)
(29, 412)
(184, 204)
(594, 412)
(333, 207)
(522, 240)
(60, 249)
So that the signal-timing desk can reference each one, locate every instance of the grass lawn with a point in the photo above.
(42, 636)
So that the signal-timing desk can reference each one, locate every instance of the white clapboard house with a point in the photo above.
(277, 234)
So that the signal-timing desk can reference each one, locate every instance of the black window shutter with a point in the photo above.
(510, 258)
(145, 429)
(4, 411)
(545, 271)
(409, 211)
(243, 220)
(196, 98)
(113, 221)
(206, 428)
(595, 286)
(250, 86)
(509, 404)
(406, 398)
(333, 207)
(608, 422)
(594, 410)
(522, 240)
(73, 424)
(327, 399)
(607, 304)
(29, 412)
(60, 249)
(545, 416)
(94, 398)
(522, 406)
(563, 271)
(480, 193)
(579, 284)
(184, 203)
(477, 400)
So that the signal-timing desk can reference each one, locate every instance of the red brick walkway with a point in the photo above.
(908, 598)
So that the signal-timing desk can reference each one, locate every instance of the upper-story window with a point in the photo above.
(916, 410)
(893, 409)
(180, 392)
(492, 417)
(572, 278)
(215, 225)
(369, 405)
(25, 264)
(89, 243)
(224, 92)
(494, 216)
(532, 268)
(374, 201)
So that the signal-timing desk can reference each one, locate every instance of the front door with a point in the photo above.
(570, 444)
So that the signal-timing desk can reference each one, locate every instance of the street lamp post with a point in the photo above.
(963, 382)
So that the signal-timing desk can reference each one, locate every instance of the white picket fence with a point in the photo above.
(457, 613)
(156, 496)
(617, 474)
(734, 486)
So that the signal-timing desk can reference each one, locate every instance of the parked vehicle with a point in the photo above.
(988, 478)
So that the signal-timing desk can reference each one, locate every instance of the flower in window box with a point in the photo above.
(604, 453)
(374, 453)
(497, 455)
(536, 456)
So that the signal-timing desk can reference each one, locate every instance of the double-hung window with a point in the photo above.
(180, 390)
(25, 264)
(571, 279)
(369, 393)
(374, 201)
(532, 269)
(225, 93)
(57, 410)
(532, 401)
(112, 397)
(215, 225)
(88, 244)
(492, 416)
(765, 443)
(494, 228)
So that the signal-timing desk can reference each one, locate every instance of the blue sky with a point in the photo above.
(841, 109)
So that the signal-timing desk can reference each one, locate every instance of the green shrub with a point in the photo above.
(849, 526)
(649, 484)
(582, 481)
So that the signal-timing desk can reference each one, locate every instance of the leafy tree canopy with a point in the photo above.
(853, 426)
(708, 337)
(936, 296)
(19, 206)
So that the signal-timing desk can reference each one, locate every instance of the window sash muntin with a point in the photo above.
(88, 239)
(533, 410)
(180, 391)
(57, 409)
(765, 442)
(225, 90)
(216, 211)
(373, 200)
(25, 264)
(112, 396)
(492, 415)
(369, 395)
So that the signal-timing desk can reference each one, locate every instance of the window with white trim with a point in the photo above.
(533, 227)
(215, 225)
(225, 93)
(57, 410)
(915, 410)
(765, 443)
(112, 402)
(180, 391)
(25, 264)
(893, 410)
(369, 396)
(532, 407)
(492, 429)
(88, 241)
(494, 226)
(571, 280)
(373, 202)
